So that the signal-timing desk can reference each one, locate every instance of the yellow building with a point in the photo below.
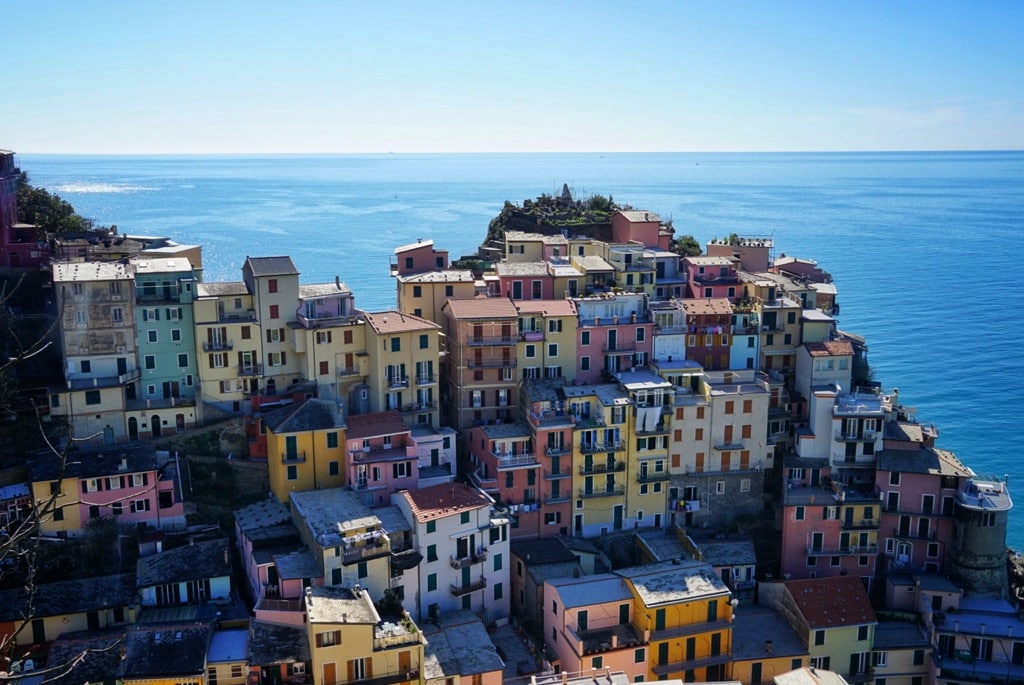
(424, 294)
(274, 284)
(649, 424)
(685, 610)
(305, 447)
(350, 641)
(547, 338)
(404, 357)
(231, 361)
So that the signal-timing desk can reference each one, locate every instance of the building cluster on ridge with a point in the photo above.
(442, 468)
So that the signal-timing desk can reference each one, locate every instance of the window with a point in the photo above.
(328, 638)
(880, 659)
(396, 344)
(333, 468)
(246, 333)
(639, 334)
(272, 285)
(497, 562)
(275, 359)
(745, 485)
(598, 662)
(293, 472)
(182, 361)
(431, 582)
(175, 335)
(275, 311)
(464, 517)
(819, 637)
(918, 657)
(275, 335)
(720, 487)
(424, 341)
(449, 290)
(139, 505)
(149, 361)
(400, 469)
(552, 349)
(499, 591)
(92, 396)
(417, 291)
(431, 552)
(894, 478)
(862, 633)
(988, 519)
(152, 336)
(798, 514)
(431, 526)
(531, 351)
(584, 363)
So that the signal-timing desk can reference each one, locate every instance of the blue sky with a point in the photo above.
(485, 76)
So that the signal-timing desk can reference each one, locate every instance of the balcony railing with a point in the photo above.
(236, 315)
(371, 550)
(484, 340)
(458, 589)
(862, 523)
(250, 369)
(396, 382)
(490, 363)
(348, 371)
(689, 629)
(532, 336)
(294, 458)
(462, 562)
(614, 491)
(425, 379)
(866, 436)
(511, 461)
(593, 447)
(602, 467)
(848, 549)
(913, 534)
(652, 476)
(218, 346)
(556, 475)
(414, 408)
(619, 348)
(557, 451)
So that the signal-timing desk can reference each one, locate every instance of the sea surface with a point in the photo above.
(924, 248)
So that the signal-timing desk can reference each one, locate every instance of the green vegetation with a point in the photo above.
(48, 211)
(687, 246)
(219, 486)
(548, 214)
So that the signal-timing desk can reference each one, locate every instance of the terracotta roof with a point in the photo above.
(829, 348)
(393, 321)
(708, 305)
(546, 307)
(376, 424)
(832, 602)
(444, 500)
(482, 308)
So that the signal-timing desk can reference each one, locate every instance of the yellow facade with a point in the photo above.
(404, 363)
(64, 515)
(425, 294)
(228, 350)
(308, 460)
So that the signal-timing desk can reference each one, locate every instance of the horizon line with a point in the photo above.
(517, 152)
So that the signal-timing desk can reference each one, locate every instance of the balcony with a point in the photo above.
(459, 590)
(218, 346)
(236, 316)
(294, 458)
(397, 382)
(417, 408)
(78, 382)
(690, 664)
(602, 467)
(560, 498)
(513, 461)
(613, 491)
(488, 341)
(619, 348)
(532, 336)
(688, 629)
(553, 451)
(491, 363)
(594, 447)
(426, 379)
(394, 678)
(349, 371)
(860, 524)
(379, 453)
(377, 546)
(556, 475)
(663, 428)
(652, 476)
(250, 369)
(463, 562)
(839, 550)
(866, 436)
(914, 534)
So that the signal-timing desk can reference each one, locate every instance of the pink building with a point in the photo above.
(20, 244)
(642, 227)
(615, 334)
(417, 258)
(708, 277)
(828, 529)
(588, 624)
(135, 485)
(708, 329)
(504, 465)
(526, 280)
(264, 532)
(919, 485)
(382, 457)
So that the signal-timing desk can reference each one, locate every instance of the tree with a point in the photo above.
(687, 246)
(47, 210)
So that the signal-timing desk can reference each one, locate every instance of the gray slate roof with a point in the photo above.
(167, 650)
(93, 463)
(271, 644)
(308, 415)
(271, 266)
(70, 597)
(458, 645)
(193, 562)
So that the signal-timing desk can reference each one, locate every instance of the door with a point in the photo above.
(291, 447)
(617, 517)
(179, 423)
(154, 422)
(612, 339)
(404, 662)
(133, 428)
(122, 366)
(848, 517)
(330, 675)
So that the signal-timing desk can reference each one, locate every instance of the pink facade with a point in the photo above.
(138, 497)
(640, 227)
(20, 247)
(827, 531)
(708, 332)
(418, 258)
(712, 277)
(528, 286)
(613, 346)
(382, 457)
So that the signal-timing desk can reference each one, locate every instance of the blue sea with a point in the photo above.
(924, 247)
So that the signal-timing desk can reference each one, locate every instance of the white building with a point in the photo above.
(465, 549)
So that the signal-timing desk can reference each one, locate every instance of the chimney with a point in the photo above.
(769, 646)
